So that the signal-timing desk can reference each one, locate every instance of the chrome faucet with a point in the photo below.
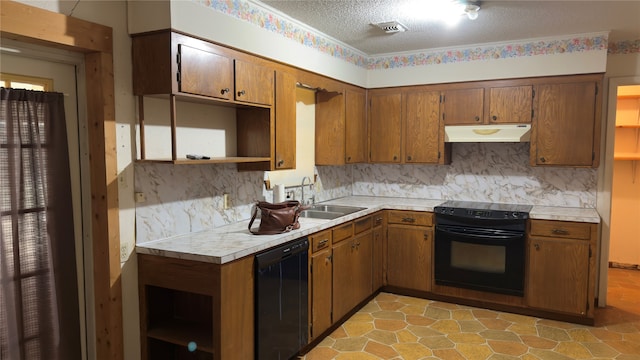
(302, 187)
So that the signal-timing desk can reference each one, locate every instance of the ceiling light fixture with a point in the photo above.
(471, 9)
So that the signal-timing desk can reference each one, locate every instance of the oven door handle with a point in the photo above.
(473, 235)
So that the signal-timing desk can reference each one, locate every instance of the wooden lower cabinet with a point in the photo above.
(409, 250)
(191, 303)
(352, 273)
(561, 267)
(321, 271)
(379, 249)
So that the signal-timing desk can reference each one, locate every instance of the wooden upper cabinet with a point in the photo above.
(463, 106)
(385, 119)
(341, 127)
(511, 104)
(254, 83)
(172, 63)
(285, 109)
(201, 72)
(566, 131)
(422, 127)
(330, 128)
(355, 126)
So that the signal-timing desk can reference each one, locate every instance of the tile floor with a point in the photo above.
(400, 327)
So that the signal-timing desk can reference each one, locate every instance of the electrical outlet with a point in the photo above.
(226, 202)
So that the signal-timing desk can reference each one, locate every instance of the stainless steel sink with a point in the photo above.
(329, 212)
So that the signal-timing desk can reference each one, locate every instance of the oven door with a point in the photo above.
(480, 259)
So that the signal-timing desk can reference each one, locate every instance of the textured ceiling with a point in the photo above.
(498, 21)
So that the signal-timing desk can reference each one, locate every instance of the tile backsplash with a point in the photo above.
(188, 198)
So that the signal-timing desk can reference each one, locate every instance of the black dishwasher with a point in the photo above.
(281, 301)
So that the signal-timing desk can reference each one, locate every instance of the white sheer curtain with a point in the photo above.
(38, 300)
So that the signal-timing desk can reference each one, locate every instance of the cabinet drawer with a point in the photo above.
(362, 224)
(378, 219)
(320, 240)
(563, 229)
(410, 218)
(342, 232)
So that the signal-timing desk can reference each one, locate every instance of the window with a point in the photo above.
(25, 82)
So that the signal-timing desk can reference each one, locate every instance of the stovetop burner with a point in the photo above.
(484, 210)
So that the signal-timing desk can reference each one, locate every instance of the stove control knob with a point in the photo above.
(451, 211)
(515, 215)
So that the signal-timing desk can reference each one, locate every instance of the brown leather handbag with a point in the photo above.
(276, 218)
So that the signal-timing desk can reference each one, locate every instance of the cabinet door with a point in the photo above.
(409, 256)
(321, 270)
(330, 128)
(463, 107)
(254, 83)
(385, 114)
(204, 73)
(355, 127)
(422, 127)
(343, 278)
(565, 125)
(285, 121)
(363, 267)
(511, 104)
(558, 274)
(379, 246)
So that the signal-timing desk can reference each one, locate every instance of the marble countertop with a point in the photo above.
(234, 241)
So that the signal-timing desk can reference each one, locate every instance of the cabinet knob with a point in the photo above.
(537, 247)
(494, 118)
(542, 159)
(241, 92)
(426, 235)
(477, 118)
(395, 157)
(348, 158)
(409, 158)
(408, 219)
(280, 163)
(224, 91)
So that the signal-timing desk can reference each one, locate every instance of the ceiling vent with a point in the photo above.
(391, 27)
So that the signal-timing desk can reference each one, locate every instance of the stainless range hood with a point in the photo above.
(488, 133)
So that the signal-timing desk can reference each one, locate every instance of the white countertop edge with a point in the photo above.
(240, 242)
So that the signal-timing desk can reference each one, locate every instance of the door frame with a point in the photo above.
(606, 181)
(30, 24)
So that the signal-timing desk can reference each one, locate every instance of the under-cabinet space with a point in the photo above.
(182, 319)
(171, 128)
(205, 307)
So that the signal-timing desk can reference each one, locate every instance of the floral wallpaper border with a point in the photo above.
(256, 15)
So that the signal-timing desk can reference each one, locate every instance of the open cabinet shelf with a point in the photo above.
(215, 160)
(182, 333)
(627, 156)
